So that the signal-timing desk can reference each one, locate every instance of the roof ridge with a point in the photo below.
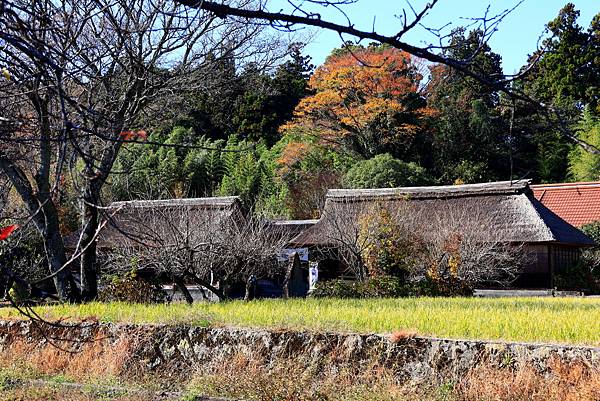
(205, 201)
(438, 191)
(567, 185)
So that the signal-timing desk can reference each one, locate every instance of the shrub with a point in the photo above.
(388, 287)
(576, 277)
(390, 248)
(383, 171)
(375, 287)
(337, 289)
(593, 231)
(586, 274)
(131, 288)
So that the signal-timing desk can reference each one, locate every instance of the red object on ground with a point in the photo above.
(7, 231)
(577, 203)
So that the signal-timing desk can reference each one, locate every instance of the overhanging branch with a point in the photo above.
(287, 21)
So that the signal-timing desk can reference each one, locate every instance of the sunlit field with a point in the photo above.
(564, 320)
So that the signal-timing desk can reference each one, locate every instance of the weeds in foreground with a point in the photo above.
(255, 377)
(95, 359)
(250, 380)
(562, 382)
(56, 393)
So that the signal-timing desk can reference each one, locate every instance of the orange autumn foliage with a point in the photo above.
(291, 155)
(132, 136)
(369, 96)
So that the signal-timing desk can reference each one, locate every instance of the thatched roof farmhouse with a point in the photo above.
(139, 221)
(518, 217)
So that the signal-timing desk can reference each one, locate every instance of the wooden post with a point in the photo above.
(293, 262)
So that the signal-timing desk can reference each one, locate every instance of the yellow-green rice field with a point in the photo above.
(564, 320)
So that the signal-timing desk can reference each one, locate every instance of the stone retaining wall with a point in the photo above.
(181, 348)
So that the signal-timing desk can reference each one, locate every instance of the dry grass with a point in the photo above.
(252, 380)
(251, 377)
(399, 336)
(55, 393)
(562, 382)
(99, 359)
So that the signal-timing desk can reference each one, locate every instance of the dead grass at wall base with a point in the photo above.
(562, 382)
(56, 393)
(252, 377)
(95, 359)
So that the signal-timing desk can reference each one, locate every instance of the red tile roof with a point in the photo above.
(577, 203)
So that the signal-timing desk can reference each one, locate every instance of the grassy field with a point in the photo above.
(565, 320)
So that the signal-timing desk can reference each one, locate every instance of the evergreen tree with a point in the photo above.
(383, 171)
(566, 76)
(470, 141)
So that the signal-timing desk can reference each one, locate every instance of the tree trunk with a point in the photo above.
(186, 294)
(248, 294)
(218, 292)
(96, 176)
(57, 259)
(294, 261)
(40, 203)
(87, 263)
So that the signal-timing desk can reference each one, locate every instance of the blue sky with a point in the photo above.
(517, 36)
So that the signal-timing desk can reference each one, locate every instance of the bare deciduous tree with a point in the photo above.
(471, 244)
(79, 77)
(189, 246)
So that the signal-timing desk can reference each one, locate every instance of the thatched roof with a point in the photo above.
(140, 220)
(518, 216)
(289, 229)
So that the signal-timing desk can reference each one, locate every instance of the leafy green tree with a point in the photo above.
(585, 166)
(249, 174)
(593, 231)
(383, 171)
(470, 130)
(242, 173)
(307, 168)
(567, 74)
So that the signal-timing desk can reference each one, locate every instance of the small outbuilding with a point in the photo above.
(577, 203)
(519, 218)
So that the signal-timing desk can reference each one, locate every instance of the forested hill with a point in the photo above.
(370, 116)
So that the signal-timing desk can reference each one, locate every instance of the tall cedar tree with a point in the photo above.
(468, 142)
(567, 77)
